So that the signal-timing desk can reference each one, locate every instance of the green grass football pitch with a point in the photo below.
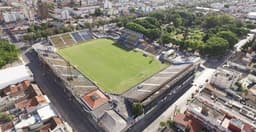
(111, 67)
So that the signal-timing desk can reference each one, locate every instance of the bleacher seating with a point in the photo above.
(77, 37)
(69, 39)
(86, 35)
(130, 37)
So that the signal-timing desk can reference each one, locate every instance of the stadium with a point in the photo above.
(105, 73)
(110, 62)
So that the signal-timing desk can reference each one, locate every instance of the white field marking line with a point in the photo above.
(67, 75)
(54, 59)
(72, 38)
(142, 90)
(159, 77)
(63, 40)
(81, 86)
(150, 84)
(60, 66)
(81, 35)
(167, 72)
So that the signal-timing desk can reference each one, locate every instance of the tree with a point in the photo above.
(229, 36)
(132, 10)
(162, 124)
(213, 20)
(136, 27)
(98, 12)
(146, 24)
(153, 21)
(165, 39)
(177, 22)
(153, 34)
(170, 29)
(159, 15)
(4, 117)
(170, 123)
(137, 108)
(8, 53)
(29, 36)
(194, 44)
(216, 46)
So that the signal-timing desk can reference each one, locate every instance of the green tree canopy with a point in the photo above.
(137, 109)
(214, 20)
(165, 39)
(153, 34)
(229, 36)
(216, 46)
(8, 53)
(98, 12)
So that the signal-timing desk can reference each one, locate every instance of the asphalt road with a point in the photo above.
(69, 111)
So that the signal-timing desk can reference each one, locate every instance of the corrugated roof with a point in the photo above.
(14, 75)
(148, 87)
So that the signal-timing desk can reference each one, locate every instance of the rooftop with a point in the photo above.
(188, 121)
(13, 75)
(94, 99)
(153, 84)
(46, 112)
(12, 89)
(112, 122)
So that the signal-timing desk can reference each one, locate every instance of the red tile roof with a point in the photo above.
(17, 88)
(6, 126)
(31, 102)
(188, 121)
(248, 128)
(94, 99)
(182, 119)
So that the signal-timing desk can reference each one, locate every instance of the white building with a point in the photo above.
(12, 17)
(112, 122)
(251, 15)
(13, 75)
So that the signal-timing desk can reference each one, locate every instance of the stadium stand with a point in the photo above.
(133, 39)
(79, 83)
(86, 35)
(130, 38)
(68, 39)
(57, 41)
(77, 37)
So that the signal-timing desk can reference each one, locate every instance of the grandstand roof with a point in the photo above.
(14, 75)
(156, 83)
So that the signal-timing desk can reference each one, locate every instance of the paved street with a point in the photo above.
(181, 102)
(78, 120)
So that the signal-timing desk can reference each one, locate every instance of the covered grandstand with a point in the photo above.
(159, 84)
(132, 39)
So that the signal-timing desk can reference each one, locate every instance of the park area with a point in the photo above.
(113, 68)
